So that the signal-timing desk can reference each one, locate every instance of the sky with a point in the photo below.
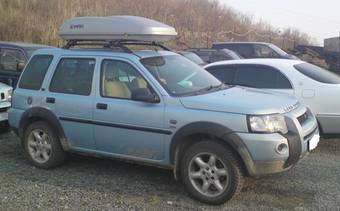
(319, 19)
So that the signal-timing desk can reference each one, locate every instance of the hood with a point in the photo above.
(243, 101)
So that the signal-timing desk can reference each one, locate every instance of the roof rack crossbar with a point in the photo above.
(145, 43)
(113, 43)
(105, 44)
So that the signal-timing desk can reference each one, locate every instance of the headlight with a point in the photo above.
(267, 124)
(9, 95)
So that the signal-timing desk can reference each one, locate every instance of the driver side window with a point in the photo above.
(119, 79)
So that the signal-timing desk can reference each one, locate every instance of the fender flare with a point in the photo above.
(215, 130)
(45, 115)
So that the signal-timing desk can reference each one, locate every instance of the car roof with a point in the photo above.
(270, 62)
(104, 52)
(23, 45)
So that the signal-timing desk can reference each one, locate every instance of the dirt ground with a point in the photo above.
(85, 183)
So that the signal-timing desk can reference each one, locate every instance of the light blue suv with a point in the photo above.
(157, 108)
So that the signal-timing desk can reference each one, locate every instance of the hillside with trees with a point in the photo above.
(199, 22)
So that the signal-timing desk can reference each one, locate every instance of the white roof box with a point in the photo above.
(116, 28)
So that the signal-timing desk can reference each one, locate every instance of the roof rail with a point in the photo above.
(122, 44)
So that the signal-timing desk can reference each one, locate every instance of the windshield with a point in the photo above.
(193, 57)
(179, 76)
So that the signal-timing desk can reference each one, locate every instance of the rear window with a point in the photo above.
(317, 73)
(34, 74)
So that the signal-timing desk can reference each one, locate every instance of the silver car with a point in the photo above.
(311, 85)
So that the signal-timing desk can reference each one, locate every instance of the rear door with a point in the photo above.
(10, 58)
(70, 94)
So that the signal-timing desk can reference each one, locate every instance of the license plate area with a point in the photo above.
(313, 142)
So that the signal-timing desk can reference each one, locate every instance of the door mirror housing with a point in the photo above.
(144, 95)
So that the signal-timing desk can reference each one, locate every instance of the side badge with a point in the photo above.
(173, 123)
(29, 100)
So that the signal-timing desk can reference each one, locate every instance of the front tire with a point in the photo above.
(42, 146)
(211, 172)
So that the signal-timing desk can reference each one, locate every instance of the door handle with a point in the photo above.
(101, 106)
(50, 100)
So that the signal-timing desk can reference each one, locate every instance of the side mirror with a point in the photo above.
(20, 66)
(144, 95)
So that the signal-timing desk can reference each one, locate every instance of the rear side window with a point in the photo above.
(35, 71)
(73, 76)
(317, 73)
(223, 73)
(261, 77)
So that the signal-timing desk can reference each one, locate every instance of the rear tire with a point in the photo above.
(42, 146)
(211, 172)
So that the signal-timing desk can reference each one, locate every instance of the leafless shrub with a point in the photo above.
(199, 22)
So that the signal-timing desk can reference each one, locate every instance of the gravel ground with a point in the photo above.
(85, 183)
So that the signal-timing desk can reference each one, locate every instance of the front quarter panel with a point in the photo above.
(178, 117)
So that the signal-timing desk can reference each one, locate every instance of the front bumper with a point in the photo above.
(265, 158)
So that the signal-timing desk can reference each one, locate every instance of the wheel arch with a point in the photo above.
(184, 138)
(42, 114)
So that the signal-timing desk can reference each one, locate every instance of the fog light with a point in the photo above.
(281, 148)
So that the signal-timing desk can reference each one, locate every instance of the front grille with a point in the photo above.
(303, 118)
(2, 96)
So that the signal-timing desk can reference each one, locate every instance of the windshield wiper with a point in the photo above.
(209, 88)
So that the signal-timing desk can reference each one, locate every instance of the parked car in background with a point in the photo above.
(254, 50)
(5, 103)
(313, 86)
(13, 57)
(192, 57)
(214, 55)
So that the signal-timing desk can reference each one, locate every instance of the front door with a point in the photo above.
(122, 126)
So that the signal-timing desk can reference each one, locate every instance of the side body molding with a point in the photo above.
(40, 113)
